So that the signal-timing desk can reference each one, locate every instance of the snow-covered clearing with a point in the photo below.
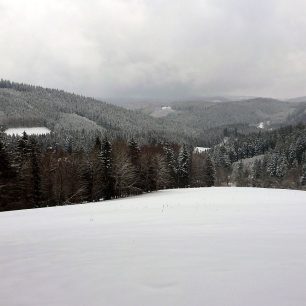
(261, 125)
(40, 130)
(193, 247)
(166, 108)
(163, 111)
(200, 149)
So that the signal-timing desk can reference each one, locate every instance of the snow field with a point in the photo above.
(29, 131)
(206, 246)
(201, 149)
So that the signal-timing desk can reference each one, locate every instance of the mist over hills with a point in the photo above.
(252, 111)
(297, 99)
(144, 103)
(211, 112)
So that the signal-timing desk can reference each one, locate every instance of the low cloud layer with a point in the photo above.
(156, 49)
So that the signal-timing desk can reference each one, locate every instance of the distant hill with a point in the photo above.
(207, 115)
(25, 105)
(214, 111)
(150, 103)
(198, 122)
(297, 99)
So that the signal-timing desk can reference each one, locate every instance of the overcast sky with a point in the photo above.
(155, 48)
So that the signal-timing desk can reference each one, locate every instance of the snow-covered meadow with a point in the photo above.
(206, 246)
(200, 149)
(29, 130)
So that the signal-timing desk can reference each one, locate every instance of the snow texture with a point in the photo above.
(163, 111)
(261, 125)
(207, 246)
(30, 131)
(200, 149)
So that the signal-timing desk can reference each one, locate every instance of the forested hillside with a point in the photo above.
(70, 115)
(78, 119)
(206, 115)
(266, 159)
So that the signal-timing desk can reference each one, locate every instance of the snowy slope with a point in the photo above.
(214, 247)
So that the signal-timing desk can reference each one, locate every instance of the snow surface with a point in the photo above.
(30, 131)
(261, 125)
(200, 149)
(163, 111)
(207, 246)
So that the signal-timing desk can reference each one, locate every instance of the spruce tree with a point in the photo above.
(23, 146)
(98, 144)
(171, 162)
(303, 177)
(256, 173)
(209, 172)
(36, 192)
(5, 166)
(107, 180)
(152, 174)
(134, 154)
(272, 165)
(162, 172)
(282, 166)
(23, 169)
(7, 178)
(240, 175)
(184, 167)
(87, 177)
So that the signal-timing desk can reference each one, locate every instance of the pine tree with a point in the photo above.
(300, 148)
(68, 145)
(184, 167)
(303, 177)
(23, 169)
(134, 154)
(5, 166)
(163, 178)
(23, 146)
(36, 175)
(282, 166)
(292, 154)
(209, 173)
(171, 165)
(105, 169)
(152, 174)
(272, 165)
(87, 177)
(256, 173)
(240, 175)
(223, 164)
(7, 178)
(98, 144)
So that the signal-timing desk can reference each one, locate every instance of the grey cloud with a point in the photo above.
(156, 49)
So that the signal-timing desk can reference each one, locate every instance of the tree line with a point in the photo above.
(38, 172)
(34, 175)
